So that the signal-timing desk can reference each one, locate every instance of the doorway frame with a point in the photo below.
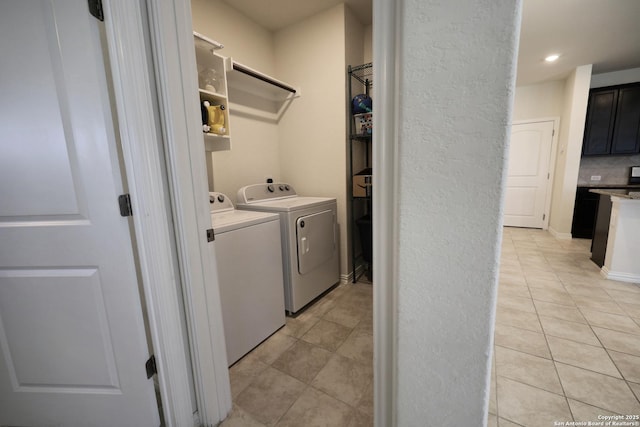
(196, 282)
(170, 26)
(386, 63)
(552, 160)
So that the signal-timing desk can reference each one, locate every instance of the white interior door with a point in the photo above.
(72, 338)
(528, 174)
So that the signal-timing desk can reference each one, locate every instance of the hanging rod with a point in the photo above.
(263, 77)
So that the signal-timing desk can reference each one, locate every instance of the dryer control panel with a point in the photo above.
(269, 191)
(219, 202)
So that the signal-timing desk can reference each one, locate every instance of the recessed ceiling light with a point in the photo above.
(552, 58)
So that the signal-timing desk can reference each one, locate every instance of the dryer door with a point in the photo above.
(316, 240)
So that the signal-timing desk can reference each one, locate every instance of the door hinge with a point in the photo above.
(548, 175)
(150, 366)
(553, 132)
(95, 8)
(544, 216)
(210, 235)
(125, 205)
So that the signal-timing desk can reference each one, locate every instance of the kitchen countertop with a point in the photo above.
(624, 193)
(630, 186)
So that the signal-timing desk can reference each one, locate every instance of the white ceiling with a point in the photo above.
(276, 14)
(605, 33)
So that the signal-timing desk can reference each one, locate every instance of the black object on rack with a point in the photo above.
(360, 80)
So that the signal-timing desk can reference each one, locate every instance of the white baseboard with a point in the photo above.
(347, 278)
(620, 277)
(558, 235)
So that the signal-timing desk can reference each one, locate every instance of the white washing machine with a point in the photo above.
(309, 239)
(249, 261)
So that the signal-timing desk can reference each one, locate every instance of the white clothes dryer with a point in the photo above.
(248, 258)
(309, 233)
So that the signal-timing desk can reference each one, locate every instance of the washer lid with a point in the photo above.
(223, 222)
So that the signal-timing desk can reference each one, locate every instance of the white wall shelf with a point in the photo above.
(204, 42)
(212, 87)
(212, 95)
(215, 142)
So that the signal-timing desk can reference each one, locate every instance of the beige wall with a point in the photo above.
(311, 54)
(243, 39)
(566, 99)
(569, 151)
(355, 36)
(368, 44)
(254, 151)
(539, 101)
(306, 145)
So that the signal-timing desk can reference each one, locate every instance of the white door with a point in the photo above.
(528, 175)
(72, 338)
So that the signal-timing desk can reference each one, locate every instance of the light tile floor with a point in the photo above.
(315, 371)
(567, 347)
(567, 341)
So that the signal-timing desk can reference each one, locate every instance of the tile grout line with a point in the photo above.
(590, 325)
(556, 394)
(608, 354)
(555, 367)
(495, 363)
(295, 340)
(607, 350)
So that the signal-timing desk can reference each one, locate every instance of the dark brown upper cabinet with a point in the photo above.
(613, 121)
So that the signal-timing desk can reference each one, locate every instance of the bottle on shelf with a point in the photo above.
(208, 79)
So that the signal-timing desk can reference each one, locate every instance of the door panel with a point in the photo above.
(527, 177)
(522, 201)
(38, 326)
(38, 147)
(626, 135)
(524, 159)
(599, 124)
(316, 240)
(72, 338)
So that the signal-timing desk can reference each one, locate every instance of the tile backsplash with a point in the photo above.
(612, 169)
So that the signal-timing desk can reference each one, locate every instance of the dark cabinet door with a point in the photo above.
(626, 133)
(600, 120)
(584, 213)
(601, 230)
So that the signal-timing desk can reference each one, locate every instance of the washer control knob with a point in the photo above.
(221, 198)
(212, 199)
(281, 188)
(270, 188)
(286, 187)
